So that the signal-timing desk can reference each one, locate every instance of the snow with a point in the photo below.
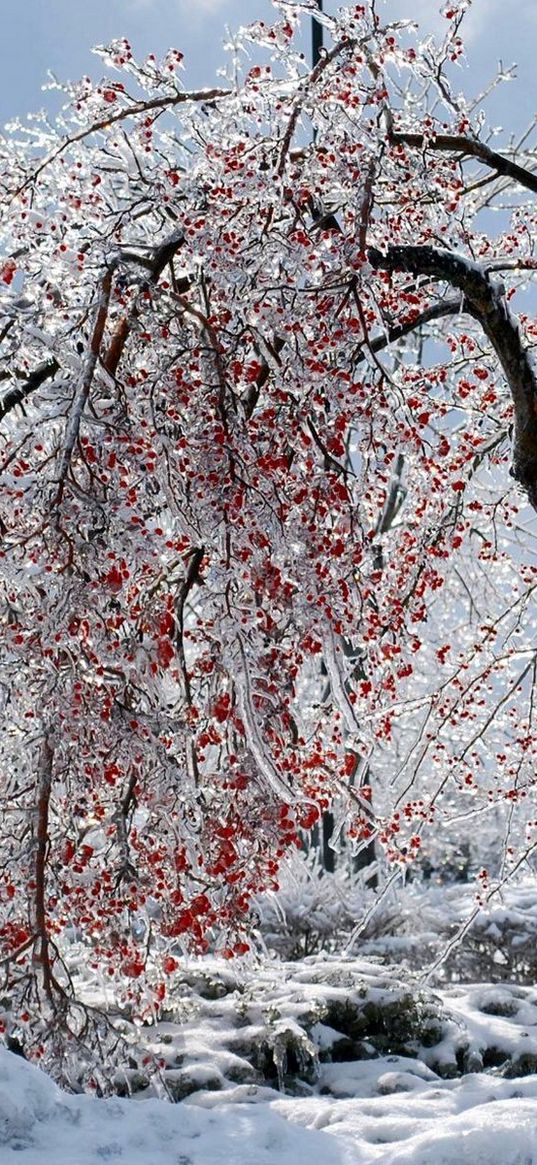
(41, 1126)
(377, 1109)
(397, 1117)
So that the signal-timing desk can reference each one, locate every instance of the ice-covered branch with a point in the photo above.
(41, 849)
(459, 144)
(83, 390)
(486, 303)
(20, 392)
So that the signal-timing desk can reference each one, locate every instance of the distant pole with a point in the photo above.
(316, 37)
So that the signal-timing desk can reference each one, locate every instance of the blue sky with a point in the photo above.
(58, 34)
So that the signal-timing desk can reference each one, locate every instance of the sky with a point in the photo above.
(38, 35)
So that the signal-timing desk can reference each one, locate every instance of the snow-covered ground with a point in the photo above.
(331, 1060)
(396, 1118)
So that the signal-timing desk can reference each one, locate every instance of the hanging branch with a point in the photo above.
(42, 841)
(486, 303)
(83, 391)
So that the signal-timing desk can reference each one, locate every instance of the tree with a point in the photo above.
(258, 389)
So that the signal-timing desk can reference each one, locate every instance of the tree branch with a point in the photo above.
(42, 841)
(437, 311)
(192, 577)
(487, 305)
(197, 96)
(162, 256)
(83, 390)
(459, 144)
(18, 394)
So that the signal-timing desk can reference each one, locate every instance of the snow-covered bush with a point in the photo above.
(415, 924)
(301, 1027)
(312, 910)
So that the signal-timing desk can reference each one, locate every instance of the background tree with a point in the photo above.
(214, 478)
